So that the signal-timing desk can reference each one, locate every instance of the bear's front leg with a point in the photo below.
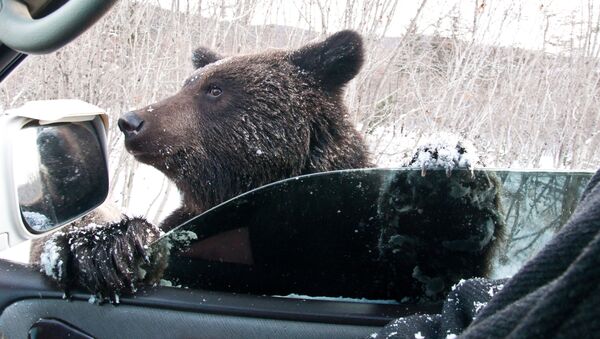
(104, 259)
(441, 224)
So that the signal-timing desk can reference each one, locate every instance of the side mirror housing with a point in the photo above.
(53, 167)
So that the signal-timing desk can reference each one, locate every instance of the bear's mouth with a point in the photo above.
(145, 157)
(146, 152)
(134, 146)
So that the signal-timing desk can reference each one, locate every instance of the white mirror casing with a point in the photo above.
(49, 148)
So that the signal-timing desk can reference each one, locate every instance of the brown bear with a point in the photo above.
(245, 121)
(236, 124)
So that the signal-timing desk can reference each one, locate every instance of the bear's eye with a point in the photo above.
(214, 91)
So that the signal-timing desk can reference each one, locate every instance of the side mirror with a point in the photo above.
(60, 173)
(52, 171)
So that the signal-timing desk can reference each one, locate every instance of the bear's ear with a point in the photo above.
(203, 56)
(334, 61)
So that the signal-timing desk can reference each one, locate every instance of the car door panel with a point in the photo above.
(158, 312)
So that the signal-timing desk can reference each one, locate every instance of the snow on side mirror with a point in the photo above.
(53, 166)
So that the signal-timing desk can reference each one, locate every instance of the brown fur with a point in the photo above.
(280, 114)
(241, 122)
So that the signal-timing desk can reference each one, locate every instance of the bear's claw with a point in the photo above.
(446, 152)
(103, 259)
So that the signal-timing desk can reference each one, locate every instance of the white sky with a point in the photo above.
(501, 22)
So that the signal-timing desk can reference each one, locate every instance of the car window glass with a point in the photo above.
(331, 223)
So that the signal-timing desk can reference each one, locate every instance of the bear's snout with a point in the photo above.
(130, 124)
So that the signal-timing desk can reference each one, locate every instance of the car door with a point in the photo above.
(212, 298)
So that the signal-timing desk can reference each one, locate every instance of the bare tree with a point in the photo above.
(521, 107)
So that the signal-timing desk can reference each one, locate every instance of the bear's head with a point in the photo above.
(244, 121)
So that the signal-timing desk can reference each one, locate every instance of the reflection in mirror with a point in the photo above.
(373, 233)
(60, 173)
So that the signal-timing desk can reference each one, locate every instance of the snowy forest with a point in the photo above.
(520, 79)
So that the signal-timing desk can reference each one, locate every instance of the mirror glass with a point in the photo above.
(60, 172)
(334, 234)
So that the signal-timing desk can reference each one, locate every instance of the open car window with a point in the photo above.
(325, 234)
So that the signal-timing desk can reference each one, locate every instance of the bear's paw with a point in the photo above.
(103, 259)
(444, 151)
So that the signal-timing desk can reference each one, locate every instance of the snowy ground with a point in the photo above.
(19, 253)
(147, 195)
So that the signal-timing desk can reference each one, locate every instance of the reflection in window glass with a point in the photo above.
(374, 233)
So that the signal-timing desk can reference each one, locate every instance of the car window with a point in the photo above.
(297, 229)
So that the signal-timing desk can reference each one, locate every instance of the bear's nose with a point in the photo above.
(130, 123)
